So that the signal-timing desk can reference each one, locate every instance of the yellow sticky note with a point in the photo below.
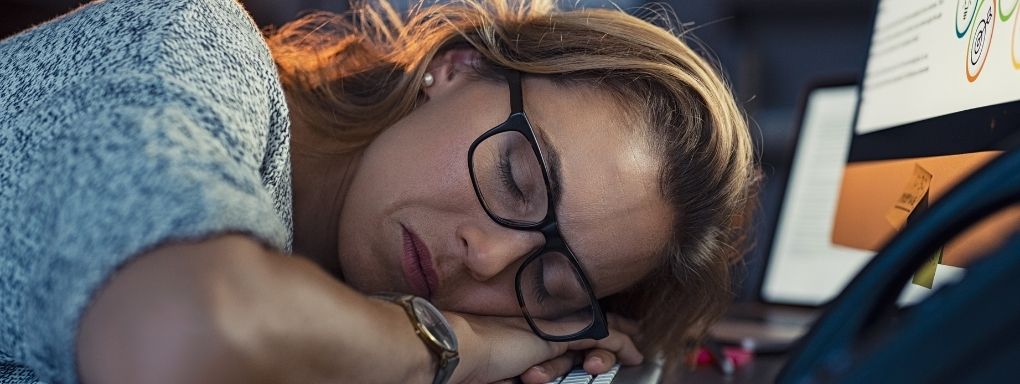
(925, 276)
(912, 194)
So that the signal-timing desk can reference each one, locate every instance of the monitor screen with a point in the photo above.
(933, 58)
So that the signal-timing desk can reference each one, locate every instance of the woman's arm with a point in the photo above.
(228, 310)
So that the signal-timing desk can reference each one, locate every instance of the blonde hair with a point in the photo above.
(351, 76)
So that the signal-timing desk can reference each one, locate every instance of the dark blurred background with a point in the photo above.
(769, 49)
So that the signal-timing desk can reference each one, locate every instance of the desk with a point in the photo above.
(761, 369)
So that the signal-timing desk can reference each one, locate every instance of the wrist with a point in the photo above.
(434, 331)
(473, 355)
(420, 362)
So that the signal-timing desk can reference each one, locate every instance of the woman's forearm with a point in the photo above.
(227, 310)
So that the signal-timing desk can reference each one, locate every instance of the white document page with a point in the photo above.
(805, 266)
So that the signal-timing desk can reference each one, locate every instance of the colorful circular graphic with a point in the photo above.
(980, 40)
(1006, 9)
(965, 15)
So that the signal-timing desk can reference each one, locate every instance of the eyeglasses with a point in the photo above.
(511, 180)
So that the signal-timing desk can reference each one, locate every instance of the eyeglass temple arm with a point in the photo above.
(513, 79)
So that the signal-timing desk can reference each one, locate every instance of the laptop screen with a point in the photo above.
(804, 266)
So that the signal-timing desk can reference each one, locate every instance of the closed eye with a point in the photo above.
(506, 175)
(541, 291)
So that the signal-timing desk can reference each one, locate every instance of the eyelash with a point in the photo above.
(541, 293)
(507, 176)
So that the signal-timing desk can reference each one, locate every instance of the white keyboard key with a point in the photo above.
(556, 380)
(577, 376)
(607, 378)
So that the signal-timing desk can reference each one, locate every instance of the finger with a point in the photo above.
(617, 342)
(549, 370)
(623, 324)
(598, 361)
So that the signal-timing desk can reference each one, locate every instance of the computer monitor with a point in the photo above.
(940, 97)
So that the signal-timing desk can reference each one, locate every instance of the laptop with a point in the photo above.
(803, 268)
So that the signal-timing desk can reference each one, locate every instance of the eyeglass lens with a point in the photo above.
(509, 178)
(554, 296)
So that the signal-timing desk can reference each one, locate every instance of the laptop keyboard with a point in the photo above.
(579, 376)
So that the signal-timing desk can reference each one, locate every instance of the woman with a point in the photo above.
(487, 156)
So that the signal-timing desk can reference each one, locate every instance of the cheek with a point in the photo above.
(431, 145)
(414, 173)
(429, 155)
(426, 166)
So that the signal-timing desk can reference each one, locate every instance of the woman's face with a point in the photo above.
(412, 185)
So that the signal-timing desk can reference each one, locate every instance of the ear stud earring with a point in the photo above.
(428, 79)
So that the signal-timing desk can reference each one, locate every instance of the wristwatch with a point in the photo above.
(432, 328)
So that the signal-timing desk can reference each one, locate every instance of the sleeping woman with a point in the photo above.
(467, 192)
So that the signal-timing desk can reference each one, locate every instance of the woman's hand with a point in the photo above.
(595, 361)
(495, 348)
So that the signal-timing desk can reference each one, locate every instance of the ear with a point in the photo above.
(450, 69)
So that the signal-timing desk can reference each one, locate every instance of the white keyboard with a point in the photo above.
(579, 376)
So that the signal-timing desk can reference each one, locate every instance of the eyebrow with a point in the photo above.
(550, 154)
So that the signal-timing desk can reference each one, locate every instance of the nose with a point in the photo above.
(493, 248)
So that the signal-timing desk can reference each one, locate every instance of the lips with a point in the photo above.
(416, 263)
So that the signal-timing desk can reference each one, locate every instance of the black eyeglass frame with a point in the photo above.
(548, 226)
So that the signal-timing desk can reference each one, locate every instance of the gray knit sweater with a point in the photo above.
(123, 125)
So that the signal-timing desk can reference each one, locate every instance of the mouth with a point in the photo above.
(416, 263)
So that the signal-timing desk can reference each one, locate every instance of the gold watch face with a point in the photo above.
(434, 323)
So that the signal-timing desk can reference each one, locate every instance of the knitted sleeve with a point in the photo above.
(128, 162)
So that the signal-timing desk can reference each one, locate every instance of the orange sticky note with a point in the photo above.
(912, 194)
